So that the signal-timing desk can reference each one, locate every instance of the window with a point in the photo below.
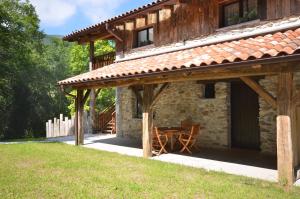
(138, 108)
(145, 37)
(209, 91)
(239, 12)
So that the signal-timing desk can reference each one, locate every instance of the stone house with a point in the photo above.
(229, 65)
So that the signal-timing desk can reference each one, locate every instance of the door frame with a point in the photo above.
(230, 144)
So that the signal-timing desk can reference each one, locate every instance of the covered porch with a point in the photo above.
(202, 63)
(238, 162)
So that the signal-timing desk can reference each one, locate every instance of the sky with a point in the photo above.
(61, 17)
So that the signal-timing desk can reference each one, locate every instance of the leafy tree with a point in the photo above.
(79, 60)
(20, 39)
(29, 71)
(30, 67)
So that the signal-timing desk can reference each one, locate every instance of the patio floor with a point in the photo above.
(235, 161)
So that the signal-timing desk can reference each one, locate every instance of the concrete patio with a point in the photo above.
(250, 164)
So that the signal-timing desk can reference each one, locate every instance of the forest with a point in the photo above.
(31, 64)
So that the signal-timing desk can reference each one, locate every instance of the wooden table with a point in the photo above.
(171, 132)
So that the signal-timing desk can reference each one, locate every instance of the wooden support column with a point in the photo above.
(79, 118)
(76, 119)
(92, 94)
(285, 155)
(147, 120)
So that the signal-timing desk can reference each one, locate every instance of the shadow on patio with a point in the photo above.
(238, 162)
(238, 156)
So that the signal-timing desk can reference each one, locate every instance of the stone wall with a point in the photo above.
(267, 115)
(179, 102)
(185, 100)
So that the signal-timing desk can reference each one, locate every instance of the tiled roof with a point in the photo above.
(256, 48)
(154, 3)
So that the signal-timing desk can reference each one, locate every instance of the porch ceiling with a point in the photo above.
(235, 58)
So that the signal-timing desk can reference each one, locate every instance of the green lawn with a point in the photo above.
(52, 170)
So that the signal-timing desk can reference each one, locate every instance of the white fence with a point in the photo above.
(65, 126)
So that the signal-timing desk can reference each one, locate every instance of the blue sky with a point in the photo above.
(60, 17)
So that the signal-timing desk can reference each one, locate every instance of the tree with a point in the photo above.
(79, 62)
(20, 39)
(29, 71)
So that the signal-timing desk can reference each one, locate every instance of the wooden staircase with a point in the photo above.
(105, 122)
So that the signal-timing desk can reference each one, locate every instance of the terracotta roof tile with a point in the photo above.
(270, 45)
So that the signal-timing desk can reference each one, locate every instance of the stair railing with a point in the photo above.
(104, 118)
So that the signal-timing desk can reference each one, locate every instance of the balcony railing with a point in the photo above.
(103, 60)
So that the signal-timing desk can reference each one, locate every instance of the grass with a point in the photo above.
(53, 170)
(23, 139)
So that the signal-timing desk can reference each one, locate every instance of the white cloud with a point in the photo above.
(54, 12)
(57, 12)
(97, 10)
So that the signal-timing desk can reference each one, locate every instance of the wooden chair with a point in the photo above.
(186, 125)
(188, 140)
(159, 141)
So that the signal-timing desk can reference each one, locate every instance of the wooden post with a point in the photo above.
(147, 120)
(92, 94)
(76, 120)
(80, 117)
(285, 156)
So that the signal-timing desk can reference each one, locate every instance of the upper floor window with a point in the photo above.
(144, 37)
(239, 11)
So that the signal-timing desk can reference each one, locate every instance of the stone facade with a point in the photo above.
(267, 117)
(185, 100)
(179, 102)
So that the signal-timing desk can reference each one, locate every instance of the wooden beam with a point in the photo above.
(147, 120)
(159, 93)
(79, 118)
(76, 119)
(177, 76)
(260, 91)
(92, 91)
(86, 95)
(285, 156)
(113, 33)
(97, 92)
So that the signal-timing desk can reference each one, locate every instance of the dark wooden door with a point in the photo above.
(245, 131)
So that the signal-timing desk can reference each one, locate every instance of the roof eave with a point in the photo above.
(250, 64)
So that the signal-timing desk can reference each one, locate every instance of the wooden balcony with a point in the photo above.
(103, 60)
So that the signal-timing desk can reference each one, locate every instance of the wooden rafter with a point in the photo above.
(113, 33)
(260, 91)
(97, 92)
(159, 93)
(86, 95)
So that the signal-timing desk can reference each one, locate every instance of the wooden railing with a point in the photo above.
(105, 122)
(104, 60)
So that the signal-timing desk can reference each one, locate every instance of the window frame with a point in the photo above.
(209, 91)
(148, 36)
(222, 7)
(138, 106)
